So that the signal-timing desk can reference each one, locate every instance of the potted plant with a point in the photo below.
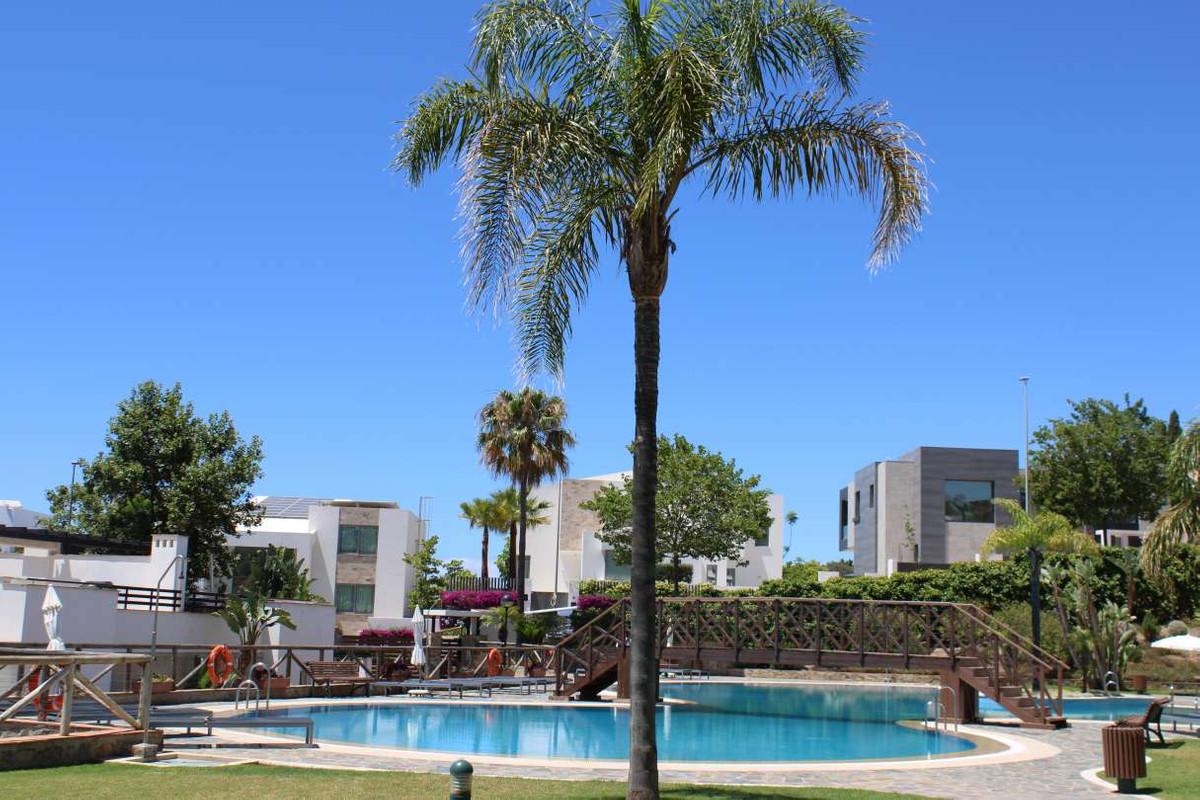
(159, 684)
(274, 681)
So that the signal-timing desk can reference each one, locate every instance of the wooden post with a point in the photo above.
(144, 699)
(68, 699)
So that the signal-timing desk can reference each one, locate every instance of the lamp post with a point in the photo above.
(1024, 380)
(506, 606)
(79, 462)
(147, 672)
(1035, 555)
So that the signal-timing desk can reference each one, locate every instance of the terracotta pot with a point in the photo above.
(277, 684)
(1139, 683)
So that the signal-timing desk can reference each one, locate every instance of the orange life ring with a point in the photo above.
(494, 662)
(220, 665)
(44, 702)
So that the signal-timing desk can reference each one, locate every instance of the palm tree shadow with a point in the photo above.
(746, 793)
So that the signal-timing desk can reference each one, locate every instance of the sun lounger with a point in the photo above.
(1151, 717)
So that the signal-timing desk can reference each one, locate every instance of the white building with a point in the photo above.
(566, 550)
(354, 551)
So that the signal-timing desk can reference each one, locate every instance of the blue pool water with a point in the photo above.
(720, 722)
(1098, 708)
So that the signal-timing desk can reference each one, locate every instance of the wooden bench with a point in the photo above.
(345, 673)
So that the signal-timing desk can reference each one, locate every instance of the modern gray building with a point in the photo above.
(933, 506)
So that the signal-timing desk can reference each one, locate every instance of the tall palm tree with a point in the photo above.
(505, 514)
(522, 436)
(790, 518)
(1180, 522)
(579, 128)
(479, 513)
(1036, 534)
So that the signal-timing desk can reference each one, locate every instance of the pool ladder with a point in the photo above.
(249, 684)
(935, 712)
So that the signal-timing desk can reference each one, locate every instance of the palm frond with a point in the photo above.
(539, 42)
(442, 122)
(805, 144)
(1180, 522)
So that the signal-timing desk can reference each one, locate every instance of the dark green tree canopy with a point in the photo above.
(166, 470)
(1102, 465)
(706, 508)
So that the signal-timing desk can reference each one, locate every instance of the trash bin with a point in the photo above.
(1124, 755)
(1139, 683)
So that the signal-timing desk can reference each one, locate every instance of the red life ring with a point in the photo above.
(44, 702)
(220, 665)
(494, 662)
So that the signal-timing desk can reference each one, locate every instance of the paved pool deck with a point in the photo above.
(1015, 763)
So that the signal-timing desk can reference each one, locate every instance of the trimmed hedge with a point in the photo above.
(467, 600)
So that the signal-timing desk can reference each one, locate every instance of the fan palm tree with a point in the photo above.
(505, 513)
(522, 437)
(579, 128)
(1180, 522)
(1035, 535)
(478, 513)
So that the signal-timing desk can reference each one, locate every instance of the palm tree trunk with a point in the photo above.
(643, 664)
(483, 567)
(512, 557)
(523, 519)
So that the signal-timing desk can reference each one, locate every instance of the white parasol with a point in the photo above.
(51, 608)
(1185, 642)
(418, 653)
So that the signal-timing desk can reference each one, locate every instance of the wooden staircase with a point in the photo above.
(975, 653)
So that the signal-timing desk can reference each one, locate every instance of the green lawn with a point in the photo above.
(1173, 772)
(124, 782)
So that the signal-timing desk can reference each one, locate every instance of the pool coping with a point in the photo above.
(991, 747)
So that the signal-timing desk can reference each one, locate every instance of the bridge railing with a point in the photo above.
(779, 630)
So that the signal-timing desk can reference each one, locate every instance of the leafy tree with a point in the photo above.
(250, 617)
(1103, 465)
(705, 507)
(278, 573)
(1174, 429)
(428, 580)
(1180, 522)
(166, 470)
(580, 127)
(522, 437)
(1034, 535)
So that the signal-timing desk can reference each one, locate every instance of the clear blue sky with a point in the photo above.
(199, 193)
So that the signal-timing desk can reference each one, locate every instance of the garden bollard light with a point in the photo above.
(460, 780)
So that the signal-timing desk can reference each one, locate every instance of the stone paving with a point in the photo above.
(1053, 777)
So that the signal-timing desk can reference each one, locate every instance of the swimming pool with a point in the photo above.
(717, 722)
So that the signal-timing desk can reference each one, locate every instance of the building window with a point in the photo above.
(871, 496)
(969, 501)
(613, 571)
(710, 573)
(857, 505)
(355, 598)
(731, 576)
(763, 539)
(358, 539)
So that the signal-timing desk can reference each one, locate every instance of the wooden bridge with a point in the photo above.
(973, 652)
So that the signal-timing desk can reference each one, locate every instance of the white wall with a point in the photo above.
(398, 530)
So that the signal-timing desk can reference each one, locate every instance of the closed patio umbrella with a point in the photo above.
(418, 653)
(51, 609)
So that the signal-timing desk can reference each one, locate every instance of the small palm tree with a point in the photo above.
(1180, 522)
(506, 515)
(478, 514)
(580, 128)
(523, 437)
(1036, 535)
(250, 617)
(790, 518)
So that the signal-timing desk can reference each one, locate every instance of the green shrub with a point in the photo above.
(1019, 617)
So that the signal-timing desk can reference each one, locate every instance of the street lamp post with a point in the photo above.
(79, 462)
(1035, 556)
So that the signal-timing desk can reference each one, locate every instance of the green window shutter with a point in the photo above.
(344, 597)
